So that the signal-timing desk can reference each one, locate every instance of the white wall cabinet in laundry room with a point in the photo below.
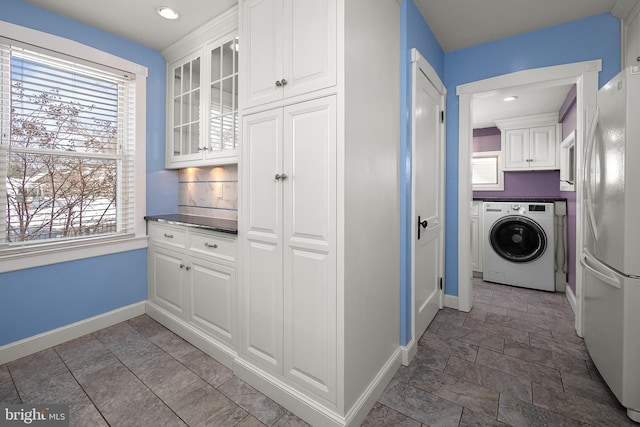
(289, 293)
(631, 38)
(530, 143)
(290, 48)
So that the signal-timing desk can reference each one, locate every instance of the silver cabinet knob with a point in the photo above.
(168, 236)
(282, 176)
(278, 83)
(283, 82)
(188, 268)
(181, 265)
(208, 245)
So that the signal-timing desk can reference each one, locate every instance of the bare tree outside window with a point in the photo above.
(63, 158)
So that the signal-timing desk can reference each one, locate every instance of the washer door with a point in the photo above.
(518, 239)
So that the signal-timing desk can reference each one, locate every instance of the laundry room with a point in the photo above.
(523, 212)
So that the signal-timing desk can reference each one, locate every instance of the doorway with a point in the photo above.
(585, 76)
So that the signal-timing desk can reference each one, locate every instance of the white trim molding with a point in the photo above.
(36, 343)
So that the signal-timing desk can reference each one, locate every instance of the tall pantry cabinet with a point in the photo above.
(319, 204)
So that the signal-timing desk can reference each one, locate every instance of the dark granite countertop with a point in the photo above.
(215, 224)
(520, 199)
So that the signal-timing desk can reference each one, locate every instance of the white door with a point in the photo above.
(428, 196)
(262, 51)
(517, 148)
(310, 304)
(262, 241)
(310, 45)
(543, 147)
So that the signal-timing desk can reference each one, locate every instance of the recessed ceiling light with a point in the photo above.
(167, 12)
(510, 98)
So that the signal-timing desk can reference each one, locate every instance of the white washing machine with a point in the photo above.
(519, 244)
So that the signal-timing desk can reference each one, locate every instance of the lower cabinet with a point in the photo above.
(477, 236)
(192, 285)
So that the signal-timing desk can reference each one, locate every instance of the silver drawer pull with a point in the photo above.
(168, 236)
(207, 245)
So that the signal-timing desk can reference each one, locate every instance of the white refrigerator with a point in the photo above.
(611, 253)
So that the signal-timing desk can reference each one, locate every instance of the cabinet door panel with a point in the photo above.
(517, 148)
(166, 279)
(262, 310)
(543, 147)
(262, 51)
(262, 161)
(309, 45)
(212, 298)
(262, 242)
(310, 246)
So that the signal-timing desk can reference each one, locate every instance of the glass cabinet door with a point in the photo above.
(186, 108)
(223, 119)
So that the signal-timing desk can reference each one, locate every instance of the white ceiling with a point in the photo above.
(456, 24)
(488, 107)
(137, 20)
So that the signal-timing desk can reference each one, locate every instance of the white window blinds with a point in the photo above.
(67, 149)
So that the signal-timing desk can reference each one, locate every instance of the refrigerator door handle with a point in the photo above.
(606, 277)
(591, 137)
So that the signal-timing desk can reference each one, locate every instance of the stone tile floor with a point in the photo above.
(513, 360)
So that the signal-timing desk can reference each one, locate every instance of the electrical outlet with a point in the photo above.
(218, 190)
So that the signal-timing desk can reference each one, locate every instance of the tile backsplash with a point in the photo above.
(209, 191)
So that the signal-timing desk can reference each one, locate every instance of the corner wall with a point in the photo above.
(44, 298)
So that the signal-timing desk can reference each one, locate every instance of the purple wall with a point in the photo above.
(533, 184)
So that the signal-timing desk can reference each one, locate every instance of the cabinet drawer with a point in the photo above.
(171, 236)
(211, 244)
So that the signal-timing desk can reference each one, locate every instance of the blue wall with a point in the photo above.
(591, 38)
(45, 298)
(415, 34)
(596, 37)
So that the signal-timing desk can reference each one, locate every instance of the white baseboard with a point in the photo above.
(36, 343)
(310, 410)
(211, 346)
(451, 301)
(571, 297)
(408, 352)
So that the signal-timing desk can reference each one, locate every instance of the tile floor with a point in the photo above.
(513, 360)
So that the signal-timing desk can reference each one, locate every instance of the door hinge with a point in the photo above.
(442, 116)
(441, 283)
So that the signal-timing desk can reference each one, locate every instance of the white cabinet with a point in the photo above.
(477, 235)
(631, 46)
(530, 143)
(319, 226)
(202, 96)
(192, 282)
(289, 258)
(290, 48)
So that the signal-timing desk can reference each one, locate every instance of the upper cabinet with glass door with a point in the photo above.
(202, 95)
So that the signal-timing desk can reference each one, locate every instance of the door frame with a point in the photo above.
(585, 76)
(420, 65)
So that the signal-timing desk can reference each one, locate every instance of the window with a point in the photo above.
(68, 149)
(568, 163)
(486, 171)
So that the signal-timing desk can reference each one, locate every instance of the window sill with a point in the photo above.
(54, 254)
